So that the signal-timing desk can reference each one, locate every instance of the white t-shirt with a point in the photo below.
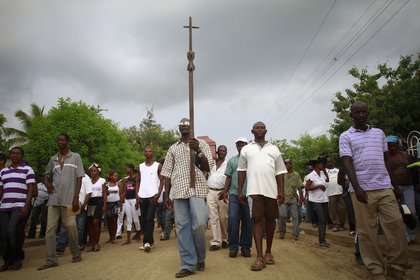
(149, 180)
(333, 188)
(262, 165)
(114, 194)
(317, 195)
(97, 188)
(85, 189)
(217, 177)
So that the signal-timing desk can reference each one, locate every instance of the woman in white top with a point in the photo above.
(316, 187)
(113, 204)
(96, 206)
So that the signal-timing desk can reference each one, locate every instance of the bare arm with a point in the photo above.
(241, 181)
(351, 174)
(280, 188)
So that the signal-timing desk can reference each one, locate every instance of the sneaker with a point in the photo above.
(214, 248)
(163, 238)
(141, 247)
(59, 252)
(246, 252)
(225, 245)
(352, 233)
(335, 229)
(324, 244)
(233, 253)
(147, 247)
(118, 237)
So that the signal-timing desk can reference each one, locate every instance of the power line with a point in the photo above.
(361, 31)
(301, 58)
(357, 51)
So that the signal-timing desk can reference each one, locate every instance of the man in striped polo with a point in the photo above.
(17, 183)
(363, 150)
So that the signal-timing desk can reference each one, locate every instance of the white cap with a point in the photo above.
(241, 139)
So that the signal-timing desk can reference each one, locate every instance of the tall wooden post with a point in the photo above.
(190, 69)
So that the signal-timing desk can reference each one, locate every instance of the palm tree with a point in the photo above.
(21, 136)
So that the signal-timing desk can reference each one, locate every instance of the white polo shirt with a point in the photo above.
(262, 165)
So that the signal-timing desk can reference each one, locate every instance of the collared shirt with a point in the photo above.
(217, 176)
(333, 188)
(42, 194)
(262, 165)
(15, 186)
(317, 195)
(367, 148)
(292, 183)
(232, 171)
(177, 168)
(64, 180)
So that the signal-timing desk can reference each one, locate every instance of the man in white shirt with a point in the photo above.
(261, 164)
(218, 208)
(336, 204)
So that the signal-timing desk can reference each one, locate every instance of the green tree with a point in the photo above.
(95, 138)
(393, 96)
(304, 149)
(151, 134)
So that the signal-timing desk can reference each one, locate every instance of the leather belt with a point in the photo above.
(213, 189)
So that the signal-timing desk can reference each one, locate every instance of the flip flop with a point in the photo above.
(47, 265)
(268, 259)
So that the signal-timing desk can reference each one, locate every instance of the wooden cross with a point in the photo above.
(190, 69)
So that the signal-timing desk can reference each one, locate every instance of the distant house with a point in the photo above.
(211, 143)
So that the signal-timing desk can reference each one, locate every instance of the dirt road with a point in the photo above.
(303, 259)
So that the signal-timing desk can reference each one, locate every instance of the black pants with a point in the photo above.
(322, 216)
(40, 210)
(11, 226)
(148, 211)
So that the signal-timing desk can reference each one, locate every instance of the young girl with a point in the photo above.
(113, 204)
(96, 206)
(128, 187)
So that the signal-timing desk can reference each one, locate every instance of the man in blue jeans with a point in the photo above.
(238, 214)
(190, 208)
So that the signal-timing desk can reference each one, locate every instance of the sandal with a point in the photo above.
(268, 258)
(259, 264)
(47, 265)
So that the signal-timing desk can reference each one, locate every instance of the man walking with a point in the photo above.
(362, 150)
(336, 204)
(238, 214)
(63, 179)
(190, 209)
(292, 184)
(261, 164)
(148, 188)
(17, 184)
(218, 208)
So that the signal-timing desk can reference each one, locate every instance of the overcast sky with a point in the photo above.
(254, 59)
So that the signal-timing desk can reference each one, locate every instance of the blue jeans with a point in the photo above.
(11, 225)
(294, 213)
(191, 217)
(350, 211)
(239, 215)
(148, 211)
(81, 222)
(409, 199)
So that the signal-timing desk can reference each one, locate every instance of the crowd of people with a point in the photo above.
(240, 199)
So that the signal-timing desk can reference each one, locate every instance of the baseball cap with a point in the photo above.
(241, 139)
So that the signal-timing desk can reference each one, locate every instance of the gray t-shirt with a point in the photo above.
(64, 180)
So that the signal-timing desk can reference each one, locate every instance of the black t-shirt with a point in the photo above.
(130, 185)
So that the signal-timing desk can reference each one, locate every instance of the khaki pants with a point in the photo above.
(337, 210)
(382, 206)
(218, 218)
(54, 213)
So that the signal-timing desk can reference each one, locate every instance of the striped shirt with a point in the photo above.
(367, 151)
(177, 168)
(14, 182)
